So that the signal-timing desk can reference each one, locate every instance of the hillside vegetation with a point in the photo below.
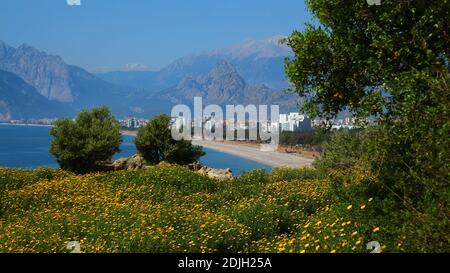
(171, 209)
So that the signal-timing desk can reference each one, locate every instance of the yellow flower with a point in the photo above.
(333, 251)
(317, 248)
(349, 207)
(370, 199)
(302, 251)
(363, 206)
(376, 229)
(354, 233)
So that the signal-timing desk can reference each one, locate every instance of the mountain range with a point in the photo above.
(223, 85)
(20, 100)
(258, 61)
(36, 84)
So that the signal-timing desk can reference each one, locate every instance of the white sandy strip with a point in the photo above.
(270, 158)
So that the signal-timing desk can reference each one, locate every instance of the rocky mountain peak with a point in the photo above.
(254, 48)
(48, 74)
(221, 69)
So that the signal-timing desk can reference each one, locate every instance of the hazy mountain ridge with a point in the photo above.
(20, 100)
(223, 86)
(258, 61)
(48, 74)
(71, 88)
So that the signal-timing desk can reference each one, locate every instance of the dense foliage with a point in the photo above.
(92, 137)
(342, 150)
(390, 61)
(316, 137)
(358, 54)
(155, 143)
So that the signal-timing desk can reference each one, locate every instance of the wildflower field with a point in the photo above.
(171, 209)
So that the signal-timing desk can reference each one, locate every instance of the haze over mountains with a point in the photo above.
(257, 61)
(223, 85)
(35, 84)
(20, 100)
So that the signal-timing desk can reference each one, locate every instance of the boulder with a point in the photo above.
(216, 173)
(196, 166)
(135, 162)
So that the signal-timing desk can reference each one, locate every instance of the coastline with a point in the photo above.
(25, 124)
(128, 133)
(251, 152)
(270, 158)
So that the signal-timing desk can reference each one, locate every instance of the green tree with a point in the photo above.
(155, 143)
(390, 61)
(342, 150)
(359, 56)
(79, 144)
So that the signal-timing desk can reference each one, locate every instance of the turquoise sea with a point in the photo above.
(27, 147)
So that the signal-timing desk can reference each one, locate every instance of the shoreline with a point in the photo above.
(25, 124)
(270, 158)
(251, 152)
(128, 133)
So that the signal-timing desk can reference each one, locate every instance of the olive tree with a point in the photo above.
(155, 143)
(79, 144)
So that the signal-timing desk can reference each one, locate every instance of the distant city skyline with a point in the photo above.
(143, 35)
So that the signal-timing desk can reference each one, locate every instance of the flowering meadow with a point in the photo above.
(172, 209)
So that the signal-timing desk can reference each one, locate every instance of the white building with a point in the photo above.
(294, 122)
(132, 123)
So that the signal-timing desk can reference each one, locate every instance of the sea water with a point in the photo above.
(23, 146)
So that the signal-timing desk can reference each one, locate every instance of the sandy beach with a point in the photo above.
(274, 159)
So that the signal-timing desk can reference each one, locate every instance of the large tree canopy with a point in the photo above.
(359, 56)
(80, 144)
(155, 143)
(390, 60)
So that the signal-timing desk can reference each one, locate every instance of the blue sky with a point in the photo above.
(112, 33)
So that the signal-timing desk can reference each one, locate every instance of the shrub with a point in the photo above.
(341, 151)
(79, 144)
(280, 174)
(411, 157)
(155, 143)
(402, 77)
(316, 137)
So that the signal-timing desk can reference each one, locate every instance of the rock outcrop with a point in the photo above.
(137, 162)
(133, 163)
(220, 174)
